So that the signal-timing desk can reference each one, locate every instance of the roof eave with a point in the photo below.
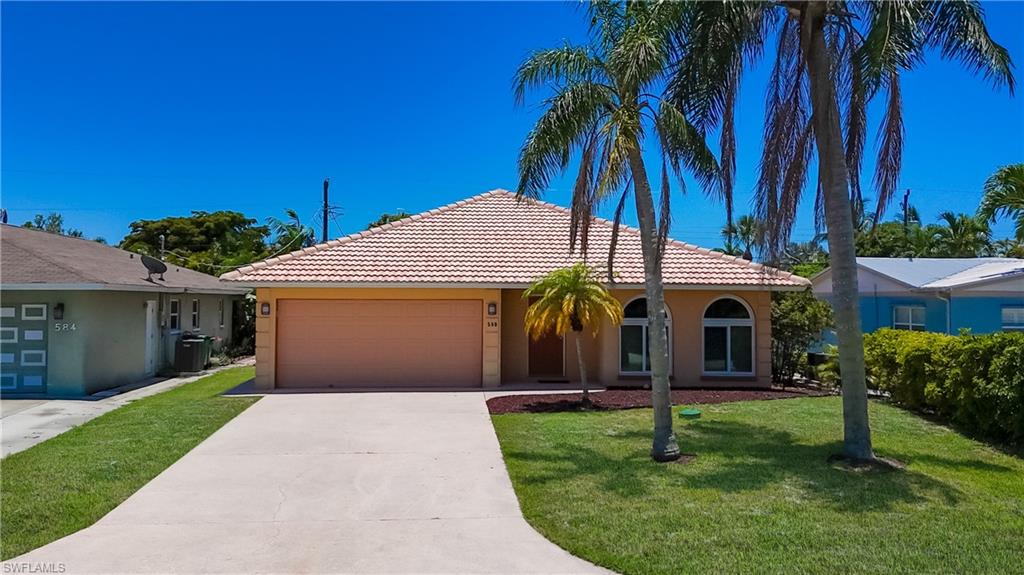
(227, 290)
(504, 285)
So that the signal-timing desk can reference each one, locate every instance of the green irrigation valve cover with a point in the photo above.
(689, 413)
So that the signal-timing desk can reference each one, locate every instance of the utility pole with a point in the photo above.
(327, 208)
(906, 209)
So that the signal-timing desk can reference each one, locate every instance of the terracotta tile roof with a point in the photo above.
(32, 259)
(495, 240)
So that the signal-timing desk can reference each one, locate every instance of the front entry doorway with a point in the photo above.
(547, 357)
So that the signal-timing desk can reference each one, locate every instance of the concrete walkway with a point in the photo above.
(327, 483)
(26, 422)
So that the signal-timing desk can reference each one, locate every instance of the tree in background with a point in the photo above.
(748, 232)
(387, 219)
(290, 234)
(607, 106)
(52, 223)
(1004, 197)
(798, 321)
(730, 246)
(831, 60)
(962, 235)
(570, 299)
(209, 242)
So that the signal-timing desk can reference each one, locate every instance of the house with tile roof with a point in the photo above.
(78, 317)
(436, 300)
(943, 295)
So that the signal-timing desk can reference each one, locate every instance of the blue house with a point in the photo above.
(942, 295)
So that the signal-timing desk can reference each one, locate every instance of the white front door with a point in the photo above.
(151, 341)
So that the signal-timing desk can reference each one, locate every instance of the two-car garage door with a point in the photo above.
(378, 343)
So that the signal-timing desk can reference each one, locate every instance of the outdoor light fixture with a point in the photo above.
(492, 308)
(58, 311)
(265, 308)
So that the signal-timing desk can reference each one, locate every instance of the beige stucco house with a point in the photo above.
(435, 300)
(78, 317)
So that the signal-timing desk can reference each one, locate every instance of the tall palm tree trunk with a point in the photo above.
(838, 217)
(664, 447)
(583, 368)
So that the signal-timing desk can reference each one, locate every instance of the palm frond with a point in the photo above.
(616, 224)
(789, 144)
(570, 117)
(554, 67)
(1004, 197)
(957, 28)
(583, 198)
(683, 144)
(890, 149)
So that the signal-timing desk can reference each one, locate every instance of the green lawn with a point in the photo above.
(67, 483)
(760, 497)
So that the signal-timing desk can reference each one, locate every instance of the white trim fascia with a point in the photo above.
(973, 283)
(119, 287)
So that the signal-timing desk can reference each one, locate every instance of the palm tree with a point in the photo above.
(748, 231)
(291, 234)
(963, 235)
(607, 105)
(730, 246)
(570, 299)
(831, 60)
(1004, 196)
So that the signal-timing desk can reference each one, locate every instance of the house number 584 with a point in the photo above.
(65, 327)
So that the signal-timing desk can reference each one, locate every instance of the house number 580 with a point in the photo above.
(65, 327)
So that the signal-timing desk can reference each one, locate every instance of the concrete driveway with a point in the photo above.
(327, 483)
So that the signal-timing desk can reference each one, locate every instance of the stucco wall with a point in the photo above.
(686, 309)
(505, 346)
(515, 358)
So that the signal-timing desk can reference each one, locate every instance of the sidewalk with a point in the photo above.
(26, 422)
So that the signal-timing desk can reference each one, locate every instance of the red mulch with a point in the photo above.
(633, 398)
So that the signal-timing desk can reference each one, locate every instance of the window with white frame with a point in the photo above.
(1013, 317)
(908, 317)
(728, 341)
(195, 314)
(174, 314)
(634, 352)
(220, 312)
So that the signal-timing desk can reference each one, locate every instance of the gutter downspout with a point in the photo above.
(949, 302)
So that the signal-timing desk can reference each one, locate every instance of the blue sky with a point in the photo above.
(115, 112)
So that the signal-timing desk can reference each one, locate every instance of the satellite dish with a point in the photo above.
(153, 266)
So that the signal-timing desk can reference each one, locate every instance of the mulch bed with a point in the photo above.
(633, 398)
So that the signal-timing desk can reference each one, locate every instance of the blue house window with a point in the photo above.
(908, 317)
(1013, 317)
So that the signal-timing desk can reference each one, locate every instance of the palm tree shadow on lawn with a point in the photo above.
(735, 457)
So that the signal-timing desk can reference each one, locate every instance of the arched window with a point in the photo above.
(634, 355)
(728, 338)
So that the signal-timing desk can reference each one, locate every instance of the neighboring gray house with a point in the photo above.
(77, 316)
(944, 295)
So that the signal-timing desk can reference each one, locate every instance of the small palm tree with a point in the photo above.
(1004, 196)
(963, 235)
(571, 299)
(291, 234)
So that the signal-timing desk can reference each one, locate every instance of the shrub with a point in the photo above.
(798, 320)
(974, 381)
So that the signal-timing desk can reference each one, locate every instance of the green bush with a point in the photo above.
(974, 381)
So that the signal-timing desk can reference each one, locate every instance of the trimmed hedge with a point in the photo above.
(973, 381)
